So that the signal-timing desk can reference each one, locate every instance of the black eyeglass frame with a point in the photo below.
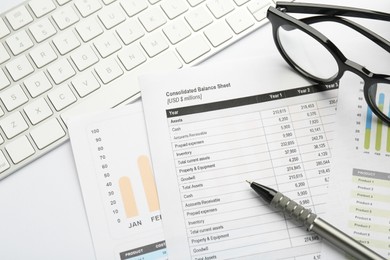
(278, 17)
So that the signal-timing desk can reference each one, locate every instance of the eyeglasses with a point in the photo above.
(321, 61)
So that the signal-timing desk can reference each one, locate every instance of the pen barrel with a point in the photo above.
(343, 241)
(299, 213)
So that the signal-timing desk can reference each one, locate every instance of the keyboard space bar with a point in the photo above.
(125, 88)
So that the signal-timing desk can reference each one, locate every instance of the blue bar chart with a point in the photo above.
(376, 133)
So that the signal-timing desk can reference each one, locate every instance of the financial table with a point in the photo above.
(368, 213)
(281, 139)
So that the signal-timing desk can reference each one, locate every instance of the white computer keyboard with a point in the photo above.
(60, 57)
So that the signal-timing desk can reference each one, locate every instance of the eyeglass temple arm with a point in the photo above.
(333, 10)
(361, 29)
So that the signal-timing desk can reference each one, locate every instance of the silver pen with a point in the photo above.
(314, 223)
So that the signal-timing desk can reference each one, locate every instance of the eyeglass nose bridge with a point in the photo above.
(356, 68)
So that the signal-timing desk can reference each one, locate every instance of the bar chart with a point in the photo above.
(117, 183)
(374, 134)
(359, 194)
(125, 178)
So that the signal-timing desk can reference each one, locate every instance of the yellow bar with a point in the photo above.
(379, 125)
(367, 137)
(128, 197)
(378, 138)
(148, 183)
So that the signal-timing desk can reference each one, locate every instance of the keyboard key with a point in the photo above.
(19, 42)
(65, 17)
(198, 18)
(130, 31)
(220, 8)
(38, 111)
(19, 149)
(19, 68)
(174, 8)
(152, 18)
(87, 7)
(42, 30)
(152, 2)
(13, 125)
(218, 33)
(240, 21)
(84, 57)
(4, 82)
(85, 84)
(13, 97)
(89, 29)
(4, 165)
(154, 43)
(108, 70)
(256, 5)
(47, 133)
(3, 28)
(61, 71)
(112, 16)
(41, 7)
(61, 97)
(66, 42)
(166, 61)
(19, 17)
(43, 55)
(259, 8)
(131, 57)
(133, 7)
(193, 48)
(107, 44)
(37, 84)
(176, 31)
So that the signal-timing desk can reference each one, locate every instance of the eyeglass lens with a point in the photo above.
(307, 53)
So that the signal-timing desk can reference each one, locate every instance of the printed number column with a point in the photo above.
(315, 154)
(286, 160)
(314, 124)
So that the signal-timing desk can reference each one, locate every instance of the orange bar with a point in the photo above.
(148, 182)
(128, 197)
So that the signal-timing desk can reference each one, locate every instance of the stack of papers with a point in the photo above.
(166, 177)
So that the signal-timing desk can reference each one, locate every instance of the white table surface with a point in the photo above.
(41, 209)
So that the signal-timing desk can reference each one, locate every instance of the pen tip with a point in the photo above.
(249, 182)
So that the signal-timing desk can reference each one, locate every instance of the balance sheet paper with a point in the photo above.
(212, 127)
